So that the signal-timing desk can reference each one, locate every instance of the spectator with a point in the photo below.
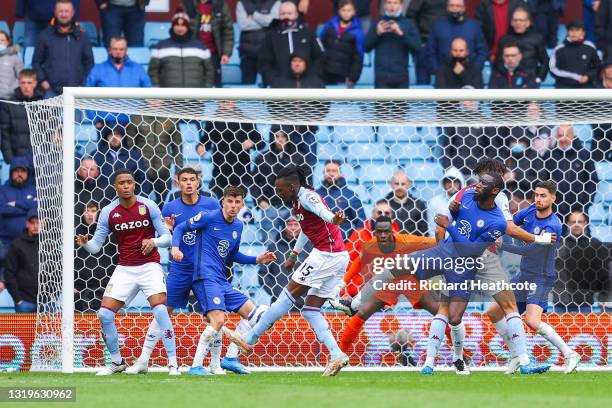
(14, 119)
(547, 13)
(287, 36)
(89, 187)
(181, 61)
(455, 25)
(570, 164)
(281, 154)
(300, 75)
(22, 266)
(574, 62)
(63, 54)
(531, 43)
(11, 65)
(509, 73)
(212, 24)
(91, 272)
(340, 197)
(17, 197)
(425, 13)
(37, 14)
(119, 71)
(364, 234)
(583, 263)
(253, 18)
(231, 144)
(123, 18)
(603, 22)
(362, 11)
(601, 144)
(159, 142)
(342, 40)
(114, 153)
(589, 11)
(494, 17)
(393, 37)
(517, 202)
(460, 71)
(451, 183)
(524, 163)
(410, 213)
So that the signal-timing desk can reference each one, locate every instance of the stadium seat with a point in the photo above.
(259, 295)
(605, 189)
(264, 130)
(189, 132)
(155, 31)
(426, 189)
(602, 232)
(252, 250)
(5, 27)
(367, 152)
(429, 134)
(231, 74)
(410, 153)
(425, 171)
(6, 302)
(398, 134)
(584, 133)
(27, 57)
(320, 29)
(599, 214)
(189, 150)
(330, 151)
(361, 192)
(18, 32)
(249, 234)
(92, 32)
(324, 134)
(378, 191)
(140, 55)
(249, 276)
(604, 170)
(100, 54)
(376, 173)
(486, 73)
(368, 58)
(352, 134)
(206, 167)
(367, 77)
(236, 30)
(344, 109)
(86, 133)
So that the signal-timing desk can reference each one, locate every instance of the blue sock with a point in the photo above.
(167, 332)
(109, 333)
(516, 331)
(319, 325)
(277, 310)
(436, 334)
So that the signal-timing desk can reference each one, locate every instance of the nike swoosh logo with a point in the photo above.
(464, 207)
(217, 229)
(176, 215)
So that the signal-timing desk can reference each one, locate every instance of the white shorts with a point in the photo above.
(492, 273)
(128, 280)
(322, 271)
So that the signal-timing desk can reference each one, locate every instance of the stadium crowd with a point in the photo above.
(517, 39)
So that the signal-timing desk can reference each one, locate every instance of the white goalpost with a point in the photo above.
(373, 133)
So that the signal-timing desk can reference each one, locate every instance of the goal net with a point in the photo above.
(398, 153)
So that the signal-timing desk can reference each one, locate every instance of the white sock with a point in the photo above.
(516, 331)
(546, 331)
(502, 329)
(206, 338)
(215, 350)
(457, 337)
(436, 334)
(152, 337)
(242, 328)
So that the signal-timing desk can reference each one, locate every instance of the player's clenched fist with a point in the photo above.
(339, 218)
(81, 240)
(288, 265)
(266, 257)
(441, 220)
(176, 254)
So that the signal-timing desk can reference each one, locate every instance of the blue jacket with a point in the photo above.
(391, 58)
(340, 197)
(106, 74)
(124, 158)
(442, 34)
(13, 217)
(62, 59)
(41, 10)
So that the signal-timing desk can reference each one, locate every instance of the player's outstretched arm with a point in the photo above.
(266, 257)
(517, 232)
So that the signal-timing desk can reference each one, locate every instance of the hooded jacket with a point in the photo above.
(343, 53)
(13, 216)
(62, 59)
(533, 48)
(439, 203)
(340, 197)
(308, 79)
(10, 66)
(181, 62)
(570, 60)
(14, 125)
(22, 268)
(278, 46)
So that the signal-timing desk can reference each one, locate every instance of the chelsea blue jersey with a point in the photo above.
(182, 212)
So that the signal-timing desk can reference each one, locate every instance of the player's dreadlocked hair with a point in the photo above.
(294, 174)
(488, 165)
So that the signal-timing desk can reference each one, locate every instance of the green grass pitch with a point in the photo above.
(309, 389)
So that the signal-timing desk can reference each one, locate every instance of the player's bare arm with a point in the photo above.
(266, 257)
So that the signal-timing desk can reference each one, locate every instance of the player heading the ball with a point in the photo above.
(133, 220)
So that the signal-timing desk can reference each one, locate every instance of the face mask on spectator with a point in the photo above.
(118, 60)
(288, 22)
(3, 47)
(393, 15)
(458, 16)
(461, 60)
(517, 148)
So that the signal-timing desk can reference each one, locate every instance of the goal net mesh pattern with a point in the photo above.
(246, 142)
